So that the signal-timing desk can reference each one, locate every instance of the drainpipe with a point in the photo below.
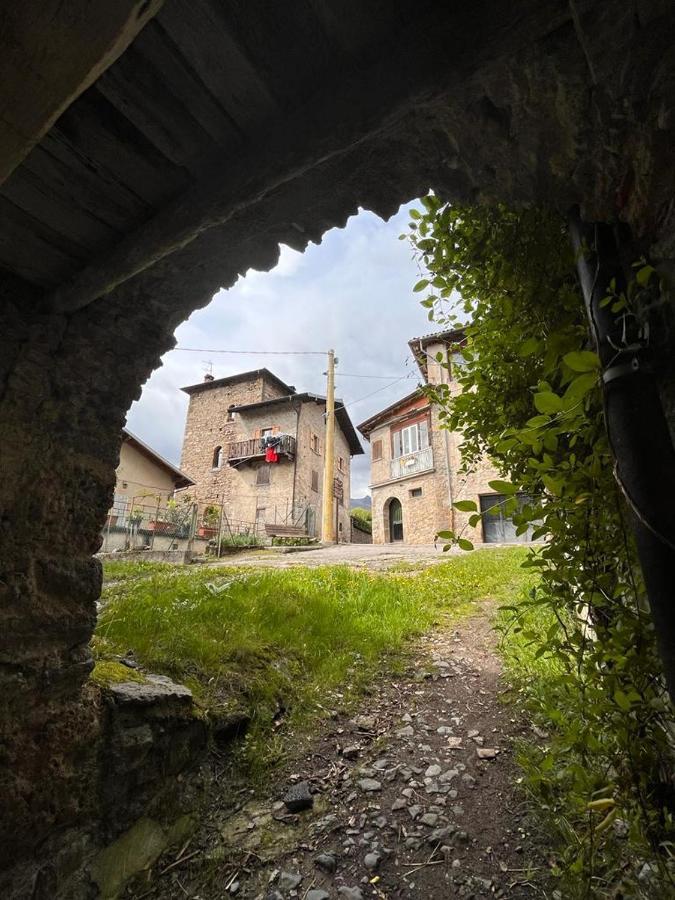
(637, 429)
(295, 455)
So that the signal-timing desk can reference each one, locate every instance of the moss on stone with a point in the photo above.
(107, 671)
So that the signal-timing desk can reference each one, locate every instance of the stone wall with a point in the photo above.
(579, 110)
(312, 423)
(290, 491)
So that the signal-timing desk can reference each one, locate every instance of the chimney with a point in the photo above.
(208, 377)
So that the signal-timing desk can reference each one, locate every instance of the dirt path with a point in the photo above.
(415, 797)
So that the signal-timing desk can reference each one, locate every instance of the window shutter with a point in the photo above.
(377, 450)
(424, 435)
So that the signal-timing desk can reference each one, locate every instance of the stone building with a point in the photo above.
(229, 423)
(415, 463)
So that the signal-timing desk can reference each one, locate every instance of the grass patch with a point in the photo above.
(292, 641)
(107, 671)
(587, 778)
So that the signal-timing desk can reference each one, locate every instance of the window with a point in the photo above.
(266, 432)
(410, 439)
(416, 492)
(217, 458)
(457, 360)
(341, 464)
(314, 443)
(230, 415)
(377, 450)
(263, 475)
(315, 480)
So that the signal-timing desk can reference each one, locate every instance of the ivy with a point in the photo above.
(582, 641)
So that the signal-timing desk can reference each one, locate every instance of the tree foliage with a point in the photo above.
(531, 400)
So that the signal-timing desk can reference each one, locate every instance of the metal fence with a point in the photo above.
(141, 523)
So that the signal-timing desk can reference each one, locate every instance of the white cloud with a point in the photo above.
(352, 293)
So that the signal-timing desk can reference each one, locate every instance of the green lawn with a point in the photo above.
(302, 639)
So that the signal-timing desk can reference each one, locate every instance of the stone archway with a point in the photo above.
(537, 102)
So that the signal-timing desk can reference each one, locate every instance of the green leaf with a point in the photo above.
(421, 285)
(579, 387)
(465, 506)
(528, 347)
(548, 402)
(582, 361)
(446, 535)
(644, 274)
(464, 544)
(415, 213)
(503, 487)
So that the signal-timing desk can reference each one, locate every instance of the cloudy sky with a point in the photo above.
(352, 293)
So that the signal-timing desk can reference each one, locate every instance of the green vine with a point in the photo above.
(531, 401)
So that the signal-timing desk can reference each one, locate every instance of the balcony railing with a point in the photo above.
(412, 463)
(254, 448)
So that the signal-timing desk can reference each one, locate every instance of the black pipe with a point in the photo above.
(637, 429)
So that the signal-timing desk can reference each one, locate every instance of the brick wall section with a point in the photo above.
(235, 487)
(427, 514)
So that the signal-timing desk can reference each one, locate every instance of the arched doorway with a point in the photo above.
(395, 513)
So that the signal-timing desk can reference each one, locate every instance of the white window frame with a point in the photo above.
(410, 439)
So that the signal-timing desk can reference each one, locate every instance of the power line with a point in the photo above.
(349, 375)
(256, 352)
(379, 390)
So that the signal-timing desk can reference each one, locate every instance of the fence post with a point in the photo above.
(220, 528)
(192, 527)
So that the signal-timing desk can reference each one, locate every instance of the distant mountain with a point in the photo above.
(363, 502)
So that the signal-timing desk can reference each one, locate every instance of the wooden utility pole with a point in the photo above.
(328, 526)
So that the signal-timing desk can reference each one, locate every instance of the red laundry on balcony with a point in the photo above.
(271, 455)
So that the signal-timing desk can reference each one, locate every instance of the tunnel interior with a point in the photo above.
(138, 203)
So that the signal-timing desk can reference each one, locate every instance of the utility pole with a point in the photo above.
(328, 528)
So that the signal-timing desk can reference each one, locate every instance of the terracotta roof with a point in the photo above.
(418, 345)
(241, 376)
(384, 414)
(180, 478)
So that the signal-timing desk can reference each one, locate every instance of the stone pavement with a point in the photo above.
(367, 556)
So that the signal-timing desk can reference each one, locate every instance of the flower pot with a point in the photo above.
(206, 531)
(160, 527)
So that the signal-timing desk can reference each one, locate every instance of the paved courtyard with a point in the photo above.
(367, 556)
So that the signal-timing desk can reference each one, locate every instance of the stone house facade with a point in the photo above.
(228, 420)
(415, 463)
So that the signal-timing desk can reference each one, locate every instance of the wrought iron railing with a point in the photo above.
(412, 463)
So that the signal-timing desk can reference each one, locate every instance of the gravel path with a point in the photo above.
(415, 797)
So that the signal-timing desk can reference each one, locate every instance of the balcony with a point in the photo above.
(254, 448)
(412, 463)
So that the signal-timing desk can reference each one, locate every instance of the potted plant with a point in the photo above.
(208, 527)
(135, 517)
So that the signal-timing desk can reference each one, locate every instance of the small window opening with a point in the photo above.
(416, 492)
(315, 480)
(217, 457)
